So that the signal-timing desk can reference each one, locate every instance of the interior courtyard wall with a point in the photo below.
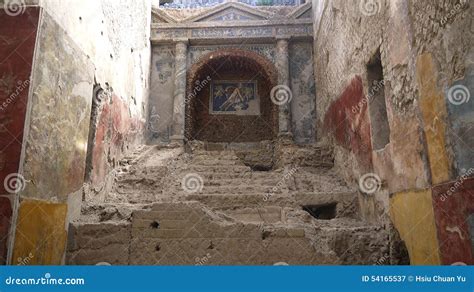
(423, 55)
(80, 44)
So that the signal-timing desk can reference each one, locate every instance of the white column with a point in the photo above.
(282, 65)
(179, 95)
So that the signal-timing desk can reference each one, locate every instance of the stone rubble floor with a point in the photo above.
(168, 206)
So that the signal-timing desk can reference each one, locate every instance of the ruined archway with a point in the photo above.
(231, 74)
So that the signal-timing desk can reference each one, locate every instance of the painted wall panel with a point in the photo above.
(40, 233)
(160, 107)
(348, 122)
(453, 204)
(433, 110)
(5, 223)
(412, 214)
(303, 105)
(56, 142)
(460, 103)
(17, 42)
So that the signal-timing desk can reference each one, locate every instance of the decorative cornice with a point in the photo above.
(222, 7)
(300, 10)
(163, 15)
(249, 31)
(284, 21)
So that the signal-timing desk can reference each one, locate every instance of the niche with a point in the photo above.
(377, 106)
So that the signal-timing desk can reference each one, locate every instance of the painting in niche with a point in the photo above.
(234, 97)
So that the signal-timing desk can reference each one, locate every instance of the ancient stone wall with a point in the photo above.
(161, 106)
(160, 116)
(421, 52)
(281, 35)
(114, 35)
(79, 45)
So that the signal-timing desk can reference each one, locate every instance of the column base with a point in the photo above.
(177, 140)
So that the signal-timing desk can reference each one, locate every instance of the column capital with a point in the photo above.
(281, 38)
(184, 41)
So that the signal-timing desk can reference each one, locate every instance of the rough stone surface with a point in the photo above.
(229, 215)
(425, 51)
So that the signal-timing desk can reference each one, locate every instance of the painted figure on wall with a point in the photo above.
(234, 97)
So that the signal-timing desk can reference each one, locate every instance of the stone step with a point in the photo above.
(235, 190)
(299, 213)
(209, 175)
(212, 156)
(94, 243)
(109, 211)
(190, 233)
(203, 154)
(217, 163)
(217, 168)
(267, 182)
(316, 156)
(130, 196)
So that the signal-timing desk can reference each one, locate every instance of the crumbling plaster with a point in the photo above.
(425, 50)
(115, 37)
(80, 44)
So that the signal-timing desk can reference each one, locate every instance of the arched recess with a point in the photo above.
(233, 65)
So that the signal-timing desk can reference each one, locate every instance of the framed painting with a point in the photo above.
(234, 97)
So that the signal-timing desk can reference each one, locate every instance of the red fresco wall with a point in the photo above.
(453, 202)
(347, 120)
(116, 132)
(17, 44)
